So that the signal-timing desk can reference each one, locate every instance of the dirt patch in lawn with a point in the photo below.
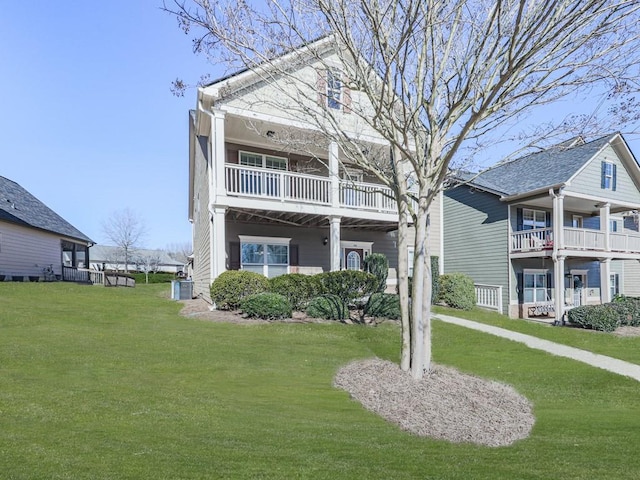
(445, 404)
(627, 332)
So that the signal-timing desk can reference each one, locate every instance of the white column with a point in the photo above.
(605, 224)
(219, 241)
(334, 174)
(558, 228)
(334, 242)
(218, 155)
(605, 280)
(558, 282)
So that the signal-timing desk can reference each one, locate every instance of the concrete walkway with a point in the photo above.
(600, 361)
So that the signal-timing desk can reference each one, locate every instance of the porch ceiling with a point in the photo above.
(269, 217)
(575, 204)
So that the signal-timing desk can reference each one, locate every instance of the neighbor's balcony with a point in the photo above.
(303, 188)
(541, 239)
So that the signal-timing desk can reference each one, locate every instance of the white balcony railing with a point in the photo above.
(298, 187)
(574, 239)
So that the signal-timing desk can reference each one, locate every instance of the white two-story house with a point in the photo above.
(268, 194)
(552, 230)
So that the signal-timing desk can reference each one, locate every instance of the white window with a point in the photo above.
(266, 255)
(535, 286)
(334, 89)
(353, 260)
(608, 176)
(614, 281)
(260, 178)
(533, 219)
(613, 225)
(410, 260)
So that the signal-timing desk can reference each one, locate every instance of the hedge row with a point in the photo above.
(623, 311)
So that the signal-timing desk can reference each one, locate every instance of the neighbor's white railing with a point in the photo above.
(489, 296)
(584, 239)
(367, 196)
(624, 242)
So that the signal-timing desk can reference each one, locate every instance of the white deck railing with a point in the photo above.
(574, 238)
(489, 296)
(299, 187)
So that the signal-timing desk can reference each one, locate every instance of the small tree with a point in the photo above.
(124, 229)
(148, 262)
(378, 265)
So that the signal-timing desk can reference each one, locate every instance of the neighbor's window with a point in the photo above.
(535, 286)
(270, 257)
(614, 281)
(533, 219)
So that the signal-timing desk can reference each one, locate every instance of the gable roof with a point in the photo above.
(549, 168)
(20, 207)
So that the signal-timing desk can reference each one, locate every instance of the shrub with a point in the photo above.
(383, 305)
(628, 310)
(597, 317)
(267, 305)
(347, 284)
(160, 277)
(457, 291)
(296, 287)
(233, 285)
(378, 265)
(328, 306)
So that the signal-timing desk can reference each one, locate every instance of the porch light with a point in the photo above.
(270, 133)
(325, 240)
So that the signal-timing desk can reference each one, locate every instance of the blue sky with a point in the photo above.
(88, 122)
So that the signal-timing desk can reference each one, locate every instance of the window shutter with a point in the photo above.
(519, 219)
(293, 255)
(547, 218)
(234, 256)
(617, 289)
(549, 286)
(520, 287)
(322, 88)
(346, 99)
(613, 184)
(603, 174)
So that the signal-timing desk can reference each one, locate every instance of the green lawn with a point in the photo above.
(624, 348)
(103, 383)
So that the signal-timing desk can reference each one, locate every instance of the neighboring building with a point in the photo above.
(109, 258)
(35, 242)
(256, 205)
(554, 229)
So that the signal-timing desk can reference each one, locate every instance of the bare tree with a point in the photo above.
(148, 261)
(434, 78)
(125, 229)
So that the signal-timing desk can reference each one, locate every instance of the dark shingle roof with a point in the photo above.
(20, 207)
(533, 172)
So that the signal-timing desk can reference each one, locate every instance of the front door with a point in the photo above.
(353, 258)
(579, 288)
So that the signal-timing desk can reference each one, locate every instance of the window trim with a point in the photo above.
(334, 89)
(535, 224)
(608, 175)
(534, 289)
(264, 160)
(265, 241)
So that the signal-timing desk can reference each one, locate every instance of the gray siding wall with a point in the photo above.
(201, 228)
(588, 181)
(26, 251)
(630, 281)
(476, 236)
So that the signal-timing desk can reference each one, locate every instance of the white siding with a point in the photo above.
(201, 225)
(26, 251)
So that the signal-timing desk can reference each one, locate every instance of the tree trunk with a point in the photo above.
(403, 285)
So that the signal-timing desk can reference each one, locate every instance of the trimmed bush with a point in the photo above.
(383, 305)
(604, 318)
(266, 305)
(347, 284)
(160, 277)
(329, 307)
(296, 287)
(228, 290)
(378, 265)
(457, 291)
(628, 310)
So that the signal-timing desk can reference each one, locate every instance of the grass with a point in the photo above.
(101, 383)
(623, 348)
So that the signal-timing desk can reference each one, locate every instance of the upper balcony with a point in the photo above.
(579, 241)
(285, 186)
